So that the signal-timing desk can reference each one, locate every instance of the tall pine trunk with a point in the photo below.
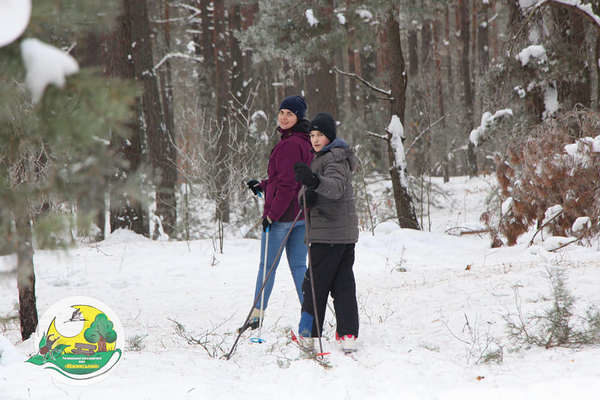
(404, 206)
(164, 154)
(150, 112)
(438, 48)
(28, 315)
(321, 93)
(465, 63)
(221, 91)
(126, 211)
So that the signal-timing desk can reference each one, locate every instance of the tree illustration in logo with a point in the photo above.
(101, 331)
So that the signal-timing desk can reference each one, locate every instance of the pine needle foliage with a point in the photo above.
(56, 156)
(558, 325)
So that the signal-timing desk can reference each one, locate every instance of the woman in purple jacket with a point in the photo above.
(281, 204)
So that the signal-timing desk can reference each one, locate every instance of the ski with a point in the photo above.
(310, 352)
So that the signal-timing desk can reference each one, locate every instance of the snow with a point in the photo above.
(520, 91)
(580, 150)
(581, 223)
(396, 129)
(364, 14)
(14, 18)
(583, 7)
(551, 104)
(535, 51)
(527, 3)
(554, 242)
(191, 46)
(507, 205)
(414, 339)
(487, 120)
(310, 17)
(552, 212)
(45, 64)
(8, 352)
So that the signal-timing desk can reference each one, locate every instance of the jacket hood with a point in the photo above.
(340, 151)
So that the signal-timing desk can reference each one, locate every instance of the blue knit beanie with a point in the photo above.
(295, 104)
(324, 123)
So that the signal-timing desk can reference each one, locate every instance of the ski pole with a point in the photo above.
(310, 271)
(271, 269)
(262, 294)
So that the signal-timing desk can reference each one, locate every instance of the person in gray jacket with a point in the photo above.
(332, 231)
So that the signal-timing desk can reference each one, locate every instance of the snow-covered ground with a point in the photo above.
(428, 302)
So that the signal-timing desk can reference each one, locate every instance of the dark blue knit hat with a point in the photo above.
(324, 123)
(295, 104)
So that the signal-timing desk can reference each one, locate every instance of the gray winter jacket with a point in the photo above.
(333, 217)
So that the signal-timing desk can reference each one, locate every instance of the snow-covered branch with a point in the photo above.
(180, 55)
(377, 135)
(45, 64)
(575, 5)
(487, 121)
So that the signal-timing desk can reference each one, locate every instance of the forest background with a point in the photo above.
(479, 86)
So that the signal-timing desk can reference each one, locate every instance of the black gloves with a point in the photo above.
(305, 175)
(253, 185)
(311, 199)
(266, 223)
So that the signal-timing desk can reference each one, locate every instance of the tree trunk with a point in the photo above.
(352, 67)
(150, 111)
(126, 211)
(426, 37)
(28, 315)
(438, 49)
(448, 57)
(207, 29)
(483, 41)
(413, 44)
(404, 206)
(221, 90)
(162, 148)
(102, 345)
(321, 93)
(466, 78)
(493, 33)
(237, 63)
(597, 67)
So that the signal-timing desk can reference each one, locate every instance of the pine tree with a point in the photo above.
(54, 152)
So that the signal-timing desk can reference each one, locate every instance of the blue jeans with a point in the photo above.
(295, 250)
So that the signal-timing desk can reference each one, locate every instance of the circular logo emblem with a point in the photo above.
(79, 338)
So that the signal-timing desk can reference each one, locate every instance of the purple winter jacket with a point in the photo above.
(281, 188)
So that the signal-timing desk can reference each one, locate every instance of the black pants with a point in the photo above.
(332, 273)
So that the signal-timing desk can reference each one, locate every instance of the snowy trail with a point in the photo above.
(414, 339)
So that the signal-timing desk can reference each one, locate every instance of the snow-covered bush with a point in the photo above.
(557, 165)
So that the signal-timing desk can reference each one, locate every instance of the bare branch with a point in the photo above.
(378, 135)
(566, 244)
(193, 9)
(371, 86)
(423, 133)
(544, 225)
(172, 55)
